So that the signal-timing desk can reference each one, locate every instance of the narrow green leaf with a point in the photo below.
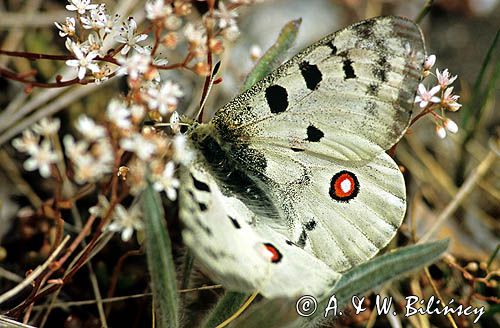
(274, 55)
(384, 268)
(226, 306)
(358, 281)
(160, 261)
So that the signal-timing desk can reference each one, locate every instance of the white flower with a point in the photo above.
(195, 36)
(74, 150)
(126, 221)
(94, 44)
(167, 182)
(139, 145)
(111, 24)
(449, 100)
(157, 9)
(445, 79)
(41, 158)
(255, 52)
(47, 127)
(135, 65)
(100, 208)
(66, 29)
(137, 112)
(226, 17)
(128, 37)
(90, 169)
(89, 164)
(83, 61)
(450, 125)
(231, 33)
(166, 98)
(80, 5)
(425, 96)
(429, 62)
(103, 74)
(95, 19)
(160, 61)
(87, 127)
(440, 131)
(28, 143)
(118, 113)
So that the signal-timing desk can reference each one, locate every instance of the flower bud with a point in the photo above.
(450, 126)
(440, 131)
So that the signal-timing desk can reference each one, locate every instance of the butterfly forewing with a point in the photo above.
(347, 97)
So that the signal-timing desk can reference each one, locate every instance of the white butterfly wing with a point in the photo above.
(342, 213)
(347, 97)
(332, 109)
(225, 238)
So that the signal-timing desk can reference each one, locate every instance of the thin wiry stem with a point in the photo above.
(465, 189)
(425, 10)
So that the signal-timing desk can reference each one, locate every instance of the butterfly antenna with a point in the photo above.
(207, 91)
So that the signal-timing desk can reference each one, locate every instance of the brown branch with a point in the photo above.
(58, 84)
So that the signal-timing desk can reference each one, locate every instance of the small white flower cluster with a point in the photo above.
(123, 220)
(86, 43)
(92, 157)
(121, 140)
(439, 97)
(38, 143)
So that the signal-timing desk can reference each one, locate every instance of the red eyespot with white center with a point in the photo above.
(344, 186)
(272, 253)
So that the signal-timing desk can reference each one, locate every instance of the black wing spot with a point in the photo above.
(277, 98)
(311, 74)
(365, 31)
(314, 134)
(297, 149)
(302, 239)
(334, 49)
(204, 227)
(348, 69)
(202, 207)
(380, 71)
(310, 225)
(289, 242)
(200, 185)
(234, 222)
(373, 89)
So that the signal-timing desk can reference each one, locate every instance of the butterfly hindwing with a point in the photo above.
(344, 214)
(238, 252)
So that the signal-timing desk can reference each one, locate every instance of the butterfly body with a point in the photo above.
(292, 175)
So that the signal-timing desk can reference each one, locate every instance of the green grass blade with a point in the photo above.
(274, 55)
(425, 10)
(226, 306)
(160, 261)
(359, 280)
(375, 272)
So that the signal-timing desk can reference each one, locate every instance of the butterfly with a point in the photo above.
(291, 184)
